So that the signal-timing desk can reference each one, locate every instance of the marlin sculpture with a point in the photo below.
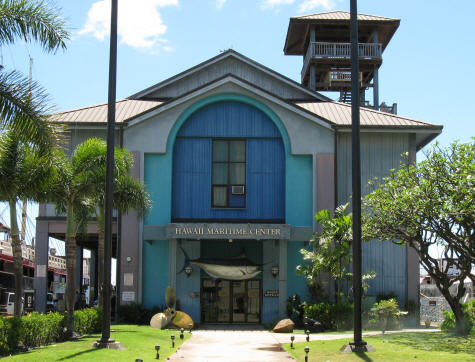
(235, 268)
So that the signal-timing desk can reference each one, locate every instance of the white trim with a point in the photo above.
(223, 81)
(383, 129)
(208, 63)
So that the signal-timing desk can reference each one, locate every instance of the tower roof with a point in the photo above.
(334, 26)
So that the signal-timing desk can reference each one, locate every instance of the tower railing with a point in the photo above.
(327, 50)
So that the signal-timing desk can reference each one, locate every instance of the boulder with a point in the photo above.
(284, 326)
(182, 320)
(159, 321)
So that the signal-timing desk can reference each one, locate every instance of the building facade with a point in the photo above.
(237, 160)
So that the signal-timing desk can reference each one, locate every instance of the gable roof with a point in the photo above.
(339, 114)
(125, 109)
(307, 93)
(342, 15)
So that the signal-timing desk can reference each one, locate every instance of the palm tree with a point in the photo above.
(23, 103)
(70, 196)
(129, 193)
(25, 173)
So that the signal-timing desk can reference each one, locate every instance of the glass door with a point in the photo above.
(231, 301)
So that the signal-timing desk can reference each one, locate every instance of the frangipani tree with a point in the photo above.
(129, 193)
(431, 204)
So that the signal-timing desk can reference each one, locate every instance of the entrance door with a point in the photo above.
(230, 301)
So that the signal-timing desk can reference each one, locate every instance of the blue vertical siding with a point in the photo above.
(379, 154)
(265, 164)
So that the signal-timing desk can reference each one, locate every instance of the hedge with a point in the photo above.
(35, 329)
(331, 316)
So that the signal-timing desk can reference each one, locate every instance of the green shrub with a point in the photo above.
(9, 336)
(295, 310)
(331, 316)
(448, 325)
(385, 314)
(35, 329)
(136, 313)
(88, 320)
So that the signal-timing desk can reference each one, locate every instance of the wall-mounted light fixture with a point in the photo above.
(275, 271)
(129, 259)
(188, 270)
(230, 240)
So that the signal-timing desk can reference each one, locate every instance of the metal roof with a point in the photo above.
(125, 109)
(342, 15)
(340, 115)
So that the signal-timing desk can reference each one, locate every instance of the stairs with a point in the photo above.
(345, 96)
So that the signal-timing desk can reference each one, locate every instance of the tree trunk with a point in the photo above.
(100, 266)
(70, 270)
(459, 319)
(17, 257)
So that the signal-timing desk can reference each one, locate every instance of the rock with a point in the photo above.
(159, 321)
(182, 320)
(284, 326)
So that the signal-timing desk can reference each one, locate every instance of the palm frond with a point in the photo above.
(23, 108)
(32, 20)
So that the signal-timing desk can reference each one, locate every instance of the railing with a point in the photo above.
(339, 51)
(28, 253)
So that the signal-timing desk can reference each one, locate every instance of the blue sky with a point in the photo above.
(428, 66)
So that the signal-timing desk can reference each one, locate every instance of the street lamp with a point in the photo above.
(306, 349)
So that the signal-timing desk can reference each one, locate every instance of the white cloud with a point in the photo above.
(276, 3)
(308, 5)
(220, 3)
(139, 22)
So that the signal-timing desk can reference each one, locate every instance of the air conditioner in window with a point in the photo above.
(237, 190)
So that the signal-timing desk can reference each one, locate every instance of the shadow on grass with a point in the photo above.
(78, 354)
(363, 356)
(440, 342)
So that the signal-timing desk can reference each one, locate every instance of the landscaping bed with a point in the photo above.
(434, 346)
(139, 342)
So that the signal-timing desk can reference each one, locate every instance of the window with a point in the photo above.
(228, 170)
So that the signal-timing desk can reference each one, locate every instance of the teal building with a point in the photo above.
(237, 159)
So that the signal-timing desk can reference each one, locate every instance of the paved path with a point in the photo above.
(227, 345)
(250, 345)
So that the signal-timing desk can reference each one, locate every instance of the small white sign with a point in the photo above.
(128, 296)
(41, 271)
(128, 279)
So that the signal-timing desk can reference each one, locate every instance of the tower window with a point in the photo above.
(228, 170)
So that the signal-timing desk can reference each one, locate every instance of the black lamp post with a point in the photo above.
(173, 340)
(157, 348)
(181, 333)
(307, 332)
(292, 337)
(190, 326)
(306, 349)
(105, 340)
(358, 345)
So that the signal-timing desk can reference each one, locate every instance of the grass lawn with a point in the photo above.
(434, 346)
(139, 342)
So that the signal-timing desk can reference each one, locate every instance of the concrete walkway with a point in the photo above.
(250, 345)
(230, 345)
